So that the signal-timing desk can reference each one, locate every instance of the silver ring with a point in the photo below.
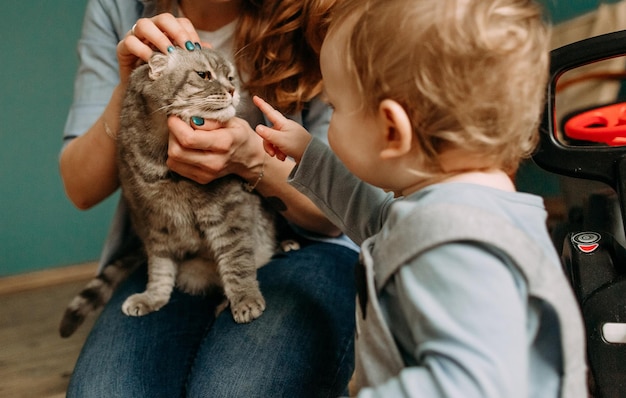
(132, 30)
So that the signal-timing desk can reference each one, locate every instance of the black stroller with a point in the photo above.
(590, 144)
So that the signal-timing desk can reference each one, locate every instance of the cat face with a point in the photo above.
(195, 83)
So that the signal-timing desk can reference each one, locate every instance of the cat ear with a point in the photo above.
(158, 62)
(397, 130)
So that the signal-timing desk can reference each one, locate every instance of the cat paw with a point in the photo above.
(248, 309)
(140, 304)
(289, 245)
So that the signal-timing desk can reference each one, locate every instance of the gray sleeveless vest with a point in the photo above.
(377, 357)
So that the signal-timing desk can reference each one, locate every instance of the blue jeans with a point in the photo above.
(302, 345)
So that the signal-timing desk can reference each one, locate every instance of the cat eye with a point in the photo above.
(204, 75)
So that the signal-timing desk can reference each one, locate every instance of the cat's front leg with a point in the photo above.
(242, 291)
(161, 279)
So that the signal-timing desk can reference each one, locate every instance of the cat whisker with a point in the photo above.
(163, 108)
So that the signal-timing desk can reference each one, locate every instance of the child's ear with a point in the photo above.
(398, 132)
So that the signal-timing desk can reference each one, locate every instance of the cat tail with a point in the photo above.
(99, 290)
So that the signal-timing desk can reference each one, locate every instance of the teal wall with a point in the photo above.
(562, 10)
(39, 228)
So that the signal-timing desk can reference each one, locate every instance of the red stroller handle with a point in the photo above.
(606, 124)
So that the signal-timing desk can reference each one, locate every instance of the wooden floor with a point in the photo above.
(35, 362)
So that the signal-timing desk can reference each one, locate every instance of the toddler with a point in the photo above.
(461, 293)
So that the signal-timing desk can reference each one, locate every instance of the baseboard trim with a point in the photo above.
(46, 278)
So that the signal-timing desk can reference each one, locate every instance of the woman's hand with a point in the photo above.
(212, 150)
(159, 33)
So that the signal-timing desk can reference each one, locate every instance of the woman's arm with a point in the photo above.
(87, 163)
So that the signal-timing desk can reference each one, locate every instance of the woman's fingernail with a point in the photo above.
(170, 49)
(197, 120)
(190, 46)
(198, 46)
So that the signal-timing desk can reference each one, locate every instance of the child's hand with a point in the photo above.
(285, 137)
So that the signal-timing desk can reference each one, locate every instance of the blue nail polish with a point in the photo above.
(198, 46)
(190, 46)
(197, 120)
(170, 49)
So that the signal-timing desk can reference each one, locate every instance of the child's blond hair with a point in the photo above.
(469, 73)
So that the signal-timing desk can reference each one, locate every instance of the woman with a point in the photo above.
(302, 344)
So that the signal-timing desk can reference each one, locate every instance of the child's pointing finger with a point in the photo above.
(274, 116)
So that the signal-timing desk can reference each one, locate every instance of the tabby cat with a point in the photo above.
(198, 237)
